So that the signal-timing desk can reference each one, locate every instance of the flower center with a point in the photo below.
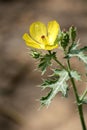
(44, 40)
(42, 36)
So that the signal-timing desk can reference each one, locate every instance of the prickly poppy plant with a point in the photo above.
(50, 38)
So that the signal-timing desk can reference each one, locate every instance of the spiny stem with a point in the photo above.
(79, 103)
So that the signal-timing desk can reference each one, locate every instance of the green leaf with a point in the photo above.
(75, 52)
(72, 33)
(84, 48)
(80, 55)
(64, 39)
(45, 61)
(59, 85)
(84, 100)
(49, 82)
(75, 75)
(46, 100)
(35, 54)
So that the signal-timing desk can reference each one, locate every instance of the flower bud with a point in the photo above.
(72, 33)
(35, 54)
(65, 39)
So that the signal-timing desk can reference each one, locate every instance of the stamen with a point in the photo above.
(42, 36)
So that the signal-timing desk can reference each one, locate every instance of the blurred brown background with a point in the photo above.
(18, 80)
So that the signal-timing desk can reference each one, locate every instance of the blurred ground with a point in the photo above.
(18, 81)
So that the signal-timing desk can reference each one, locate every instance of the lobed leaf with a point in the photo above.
(45, 61)
(84, 100)
(57, 84)
(75, 75)
(75, 52)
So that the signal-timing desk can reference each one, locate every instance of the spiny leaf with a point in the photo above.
(46, 100)
(75, 75)
(80, 55)
(84, 100)
(35, 54)
(72, 33)
(83, 57)
(45, 61)
(49, 81)
(73, 47)
(84, 48)
(75, 52)
(59, 85)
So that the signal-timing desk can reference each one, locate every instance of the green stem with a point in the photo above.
(60, 64)
(79, 104)
(78, 101)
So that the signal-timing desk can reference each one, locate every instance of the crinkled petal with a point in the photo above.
(53, 30)
(37, 30)
(30, 42)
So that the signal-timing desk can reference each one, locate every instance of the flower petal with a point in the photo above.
(30, 42)
(51, 47)
(53, 30)
(37, 30)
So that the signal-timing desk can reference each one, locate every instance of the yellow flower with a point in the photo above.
(42, 37)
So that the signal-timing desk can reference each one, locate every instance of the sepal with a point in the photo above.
(35, 54)
(72, 33)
